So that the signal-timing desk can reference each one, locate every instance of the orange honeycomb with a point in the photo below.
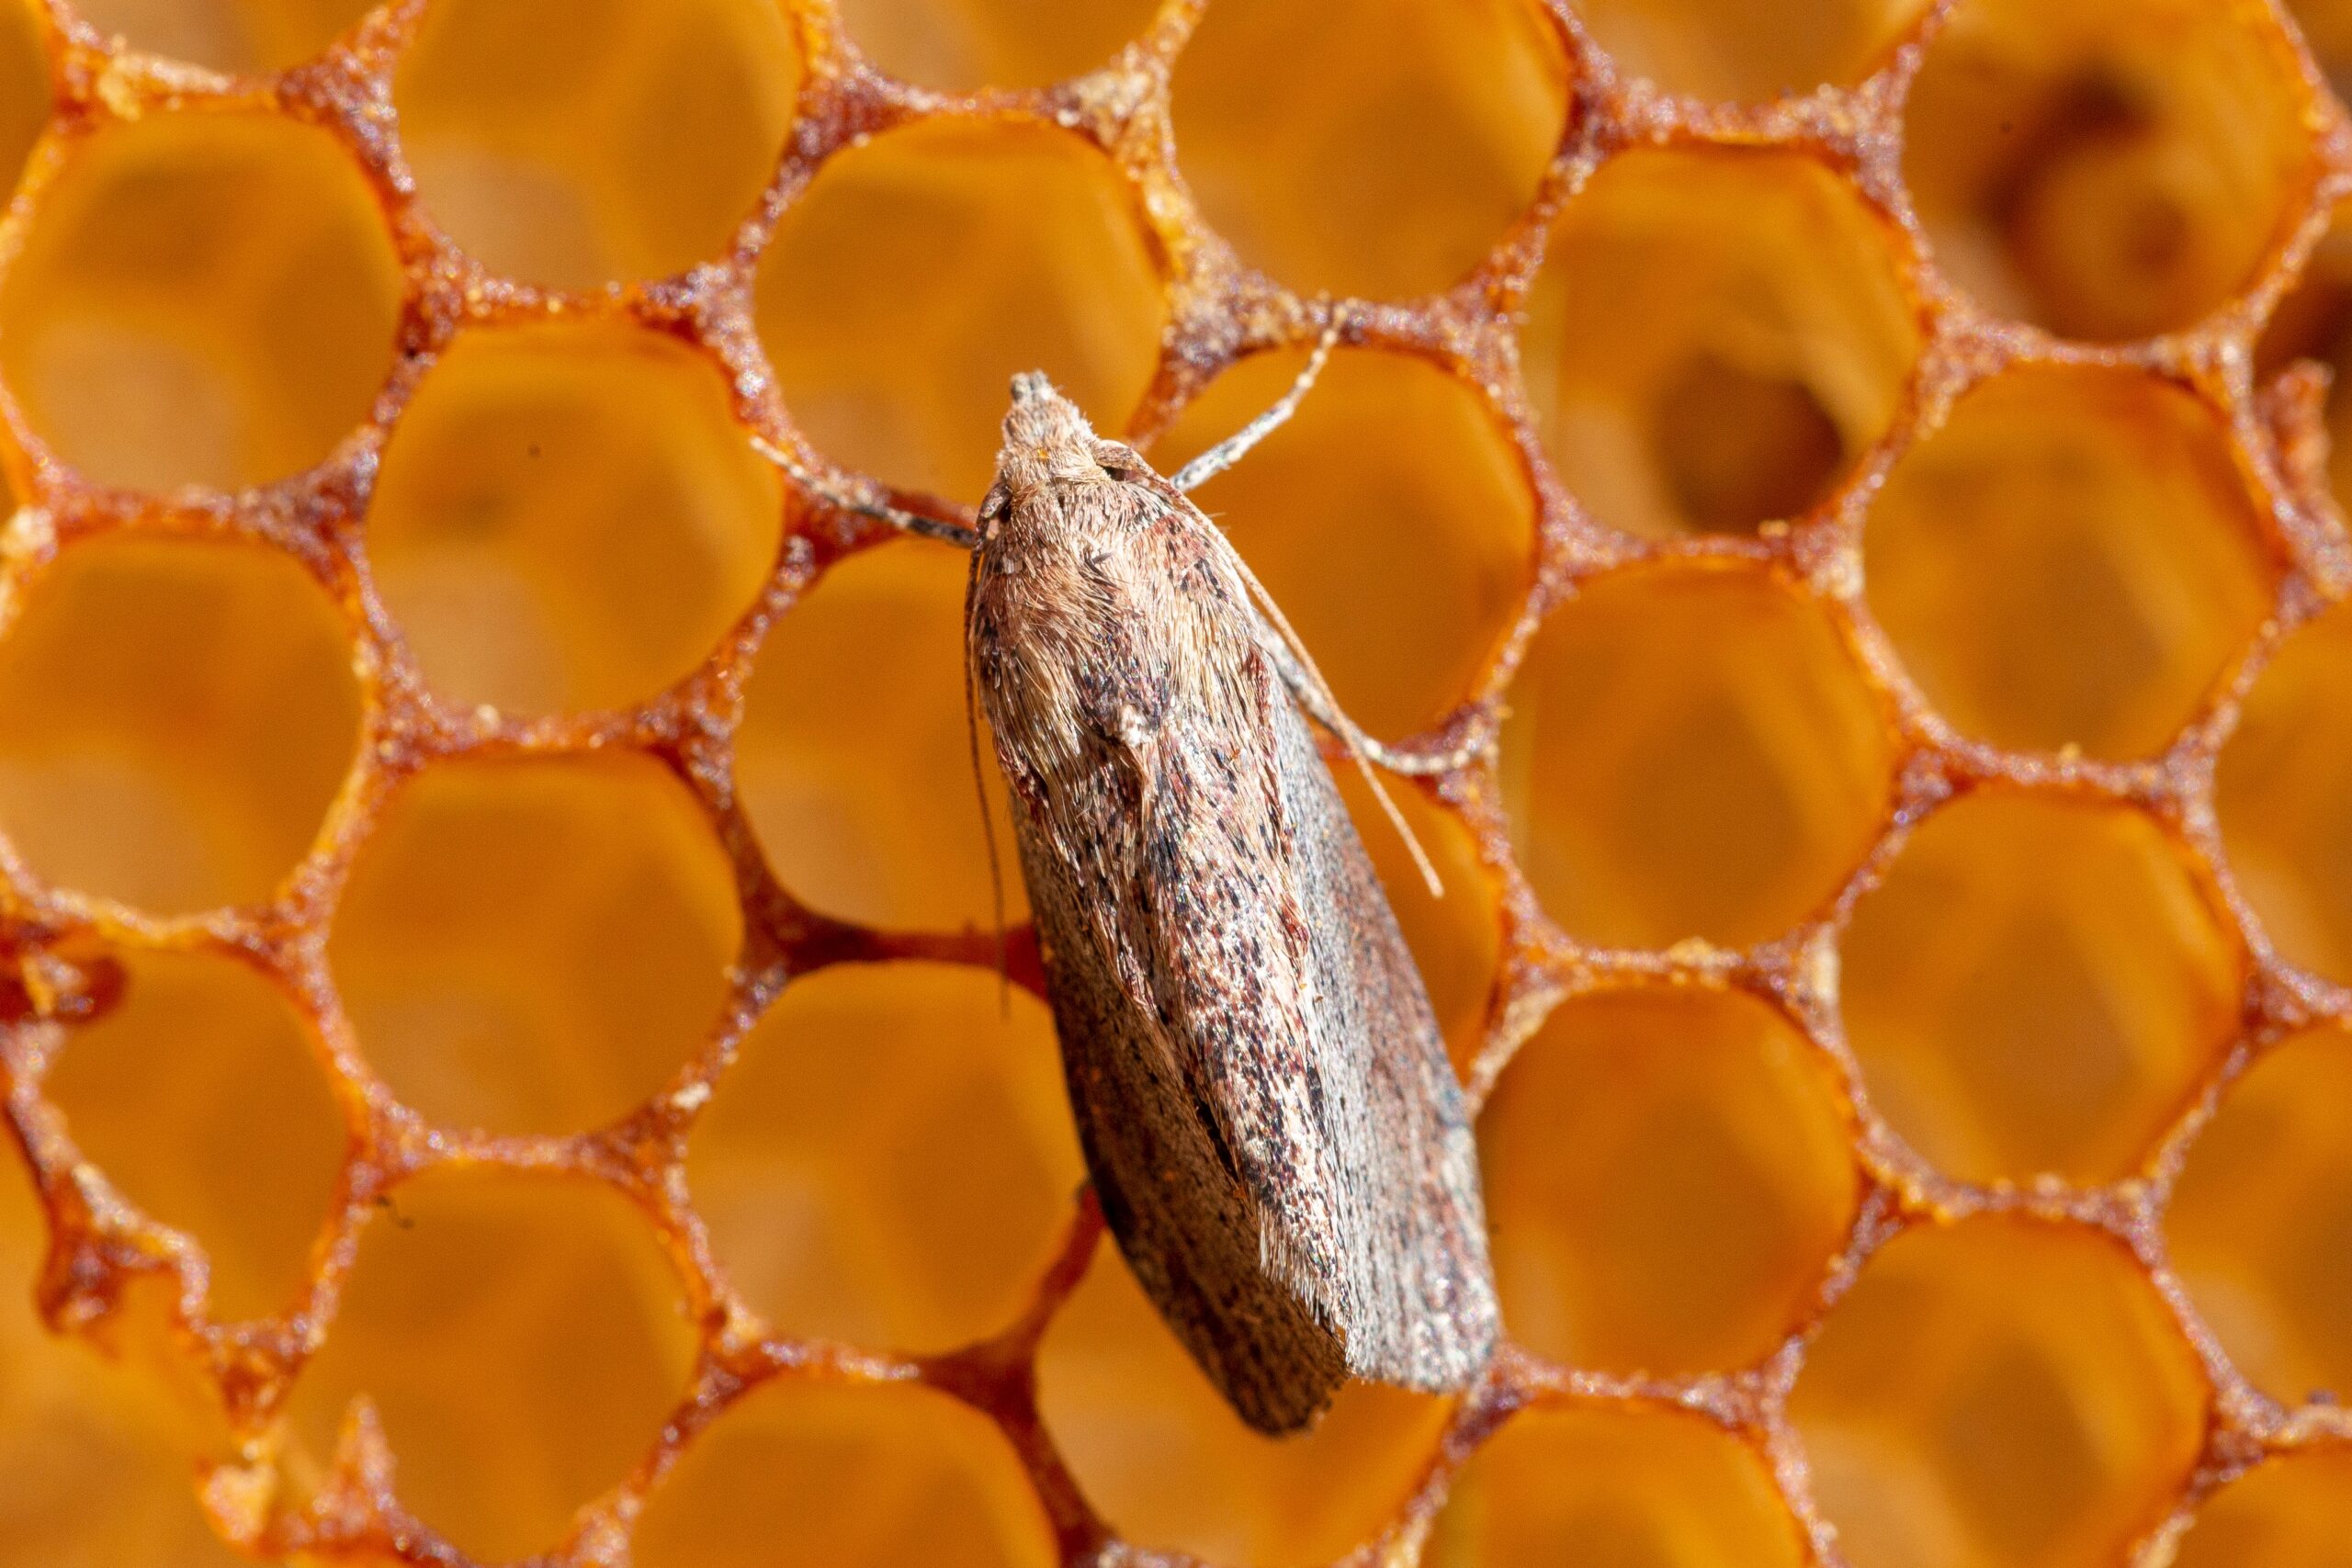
(502, 1014)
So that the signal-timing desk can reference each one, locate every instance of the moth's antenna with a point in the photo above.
(988, 826)
(1325, 706)
(1234, 447)
(1316, 696)
(897, 517)
(1302, 676)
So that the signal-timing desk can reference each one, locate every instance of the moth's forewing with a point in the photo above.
(1422, 1310)
(1178, 1206)
(1265, 1102)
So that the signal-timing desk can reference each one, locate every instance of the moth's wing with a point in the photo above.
(1167, 1185)
(1267, 1109)
(1289, 996)
(1093, 808)
(1420, 1303)
(1294, 1007)
(1384, 1224)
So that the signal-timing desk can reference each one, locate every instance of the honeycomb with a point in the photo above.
(503, 1019)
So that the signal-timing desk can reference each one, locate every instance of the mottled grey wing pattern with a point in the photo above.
(1424, 1315)
(1267, 1111)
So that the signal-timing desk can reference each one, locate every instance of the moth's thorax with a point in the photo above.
(1071, 598)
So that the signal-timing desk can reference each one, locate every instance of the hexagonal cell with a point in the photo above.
(199, 1096)
(1731, 49)
(1633, 1488)
(2039, 987)
(2283, 791)
(973, 251)
(229, 335)
(1713, 338)
(1380, 154)
(2315, 322)
(478, 1299)
(1691, 752)
(890, 1161)
(1391, 520)
(246, 35)
(2073, 559)
(2261, 1223)
(853, 761)
(568, 517)
(570, 144)
(536, 945)
(1156, 1450)
(1457, 940)
(2104, 169)
(962, 46)
(1998, 1391)
(819, 1475)
(1667, 1180)
(24, 88)
(94, 1459)
(2290, 1512)
(176, 717)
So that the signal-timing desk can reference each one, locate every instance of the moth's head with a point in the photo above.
(1047, 440)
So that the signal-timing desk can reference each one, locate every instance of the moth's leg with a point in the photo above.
(1229, 451)
(1296, 667)
(1315, 697)
(897, 517)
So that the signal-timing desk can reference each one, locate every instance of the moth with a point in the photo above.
(1270, 1120)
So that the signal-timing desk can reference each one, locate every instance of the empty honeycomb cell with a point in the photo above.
(1667, 1181)
(94, 1463)
(2315, 322)
(1998, 1391)
(962, 46)
(1156, 1450)
(519, 1336)
(2105, 170)
(2039, 985)
(2073, 559)
(819, 1475)
(536, 945)
(973, 250)
(1456, 940)
(2290, 1512)
(248, 36)
(574, 142)
(1738, 49)
(2283, 791)
(24, 88)
(854, 761)
(1382, 153)
(1390, 519)
(568, 517)
(1691, 752)
(176, 717)
(203, 299)
(890, 1161)
(200, 1098)
(1715, 337)
(1624, 1487)
(2261, 1223)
